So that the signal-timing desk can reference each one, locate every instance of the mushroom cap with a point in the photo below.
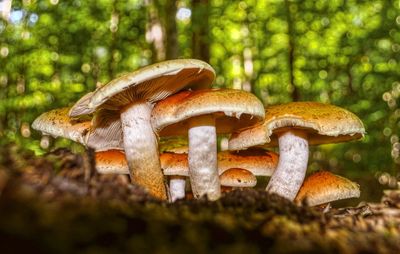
(232, 109)
(238, 177)
(258, 161)
(324, 123)
(151, 83)
(324, 187)
(174, 164)
(111, 162)
(57, 123)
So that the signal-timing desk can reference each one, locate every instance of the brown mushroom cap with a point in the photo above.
(258, 161)
(232, 109)
(238, 177)
(324, 123)
(57, 123)
(324, 187)
(111, 162)
(174, 164)
(151, 83)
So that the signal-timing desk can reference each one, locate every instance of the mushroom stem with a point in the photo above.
(141, 148)
(202, 158)
(177, 187)
(292, 166)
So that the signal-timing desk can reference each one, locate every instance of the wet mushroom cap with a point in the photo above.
(151, 83)
(232, 109)
(324, 187)
(324, 124)
(238, 177)
(57, 123)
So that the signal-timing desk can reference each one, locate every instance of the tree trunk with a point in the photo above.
(200, 23)
(171, 31)
(6, 9)
(295, 94)
(154, 31)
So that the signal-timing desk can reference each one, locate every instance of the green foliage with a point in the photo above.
(340, 52)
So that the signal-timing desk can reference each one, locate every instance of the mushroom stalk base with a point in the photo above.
(292, 166)
(202, 158)
(177, 187)
(141, 149)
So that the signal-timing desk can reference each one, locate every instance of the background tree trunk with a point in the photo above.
(171, 31)
(295, 94)
(154, 31)
(200, 28)
(6, 9)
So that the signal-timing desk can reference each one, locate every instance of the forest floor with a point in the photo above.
(56, 204)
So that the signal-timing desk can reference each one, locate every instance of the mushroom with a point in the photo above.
(200, 115)
(294, 126)
(323, 187)
(237, 178)
(123, 107)
(56, 123)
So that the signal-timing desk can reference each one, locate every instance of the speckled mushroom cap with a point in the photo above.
(151, 83)
(258, 161)
(325, 124)
(174, 164)
(238, 177)
(324, 187)
(111, 162)
(57, 123)
(232, 109)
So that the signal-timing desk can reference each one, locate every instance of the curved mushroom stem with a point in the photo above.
(177, 187)
(292, 166)
(141, 149)
(202, 158)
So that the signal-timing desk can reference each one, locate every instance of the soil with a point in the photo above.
(58, 204)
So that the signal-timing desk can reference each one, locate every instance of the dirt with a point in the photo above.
(58, 204)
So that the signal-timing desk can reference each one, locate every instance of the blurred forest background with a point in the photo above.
(345, 53)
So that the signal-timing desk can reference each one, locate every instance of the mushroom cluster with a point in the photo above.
(124, 119)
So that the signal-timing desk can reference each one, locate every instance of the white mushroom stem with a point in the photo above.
(202, 158)
(177, 186)
(45, 142)
(292, 166)
(141, 148)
